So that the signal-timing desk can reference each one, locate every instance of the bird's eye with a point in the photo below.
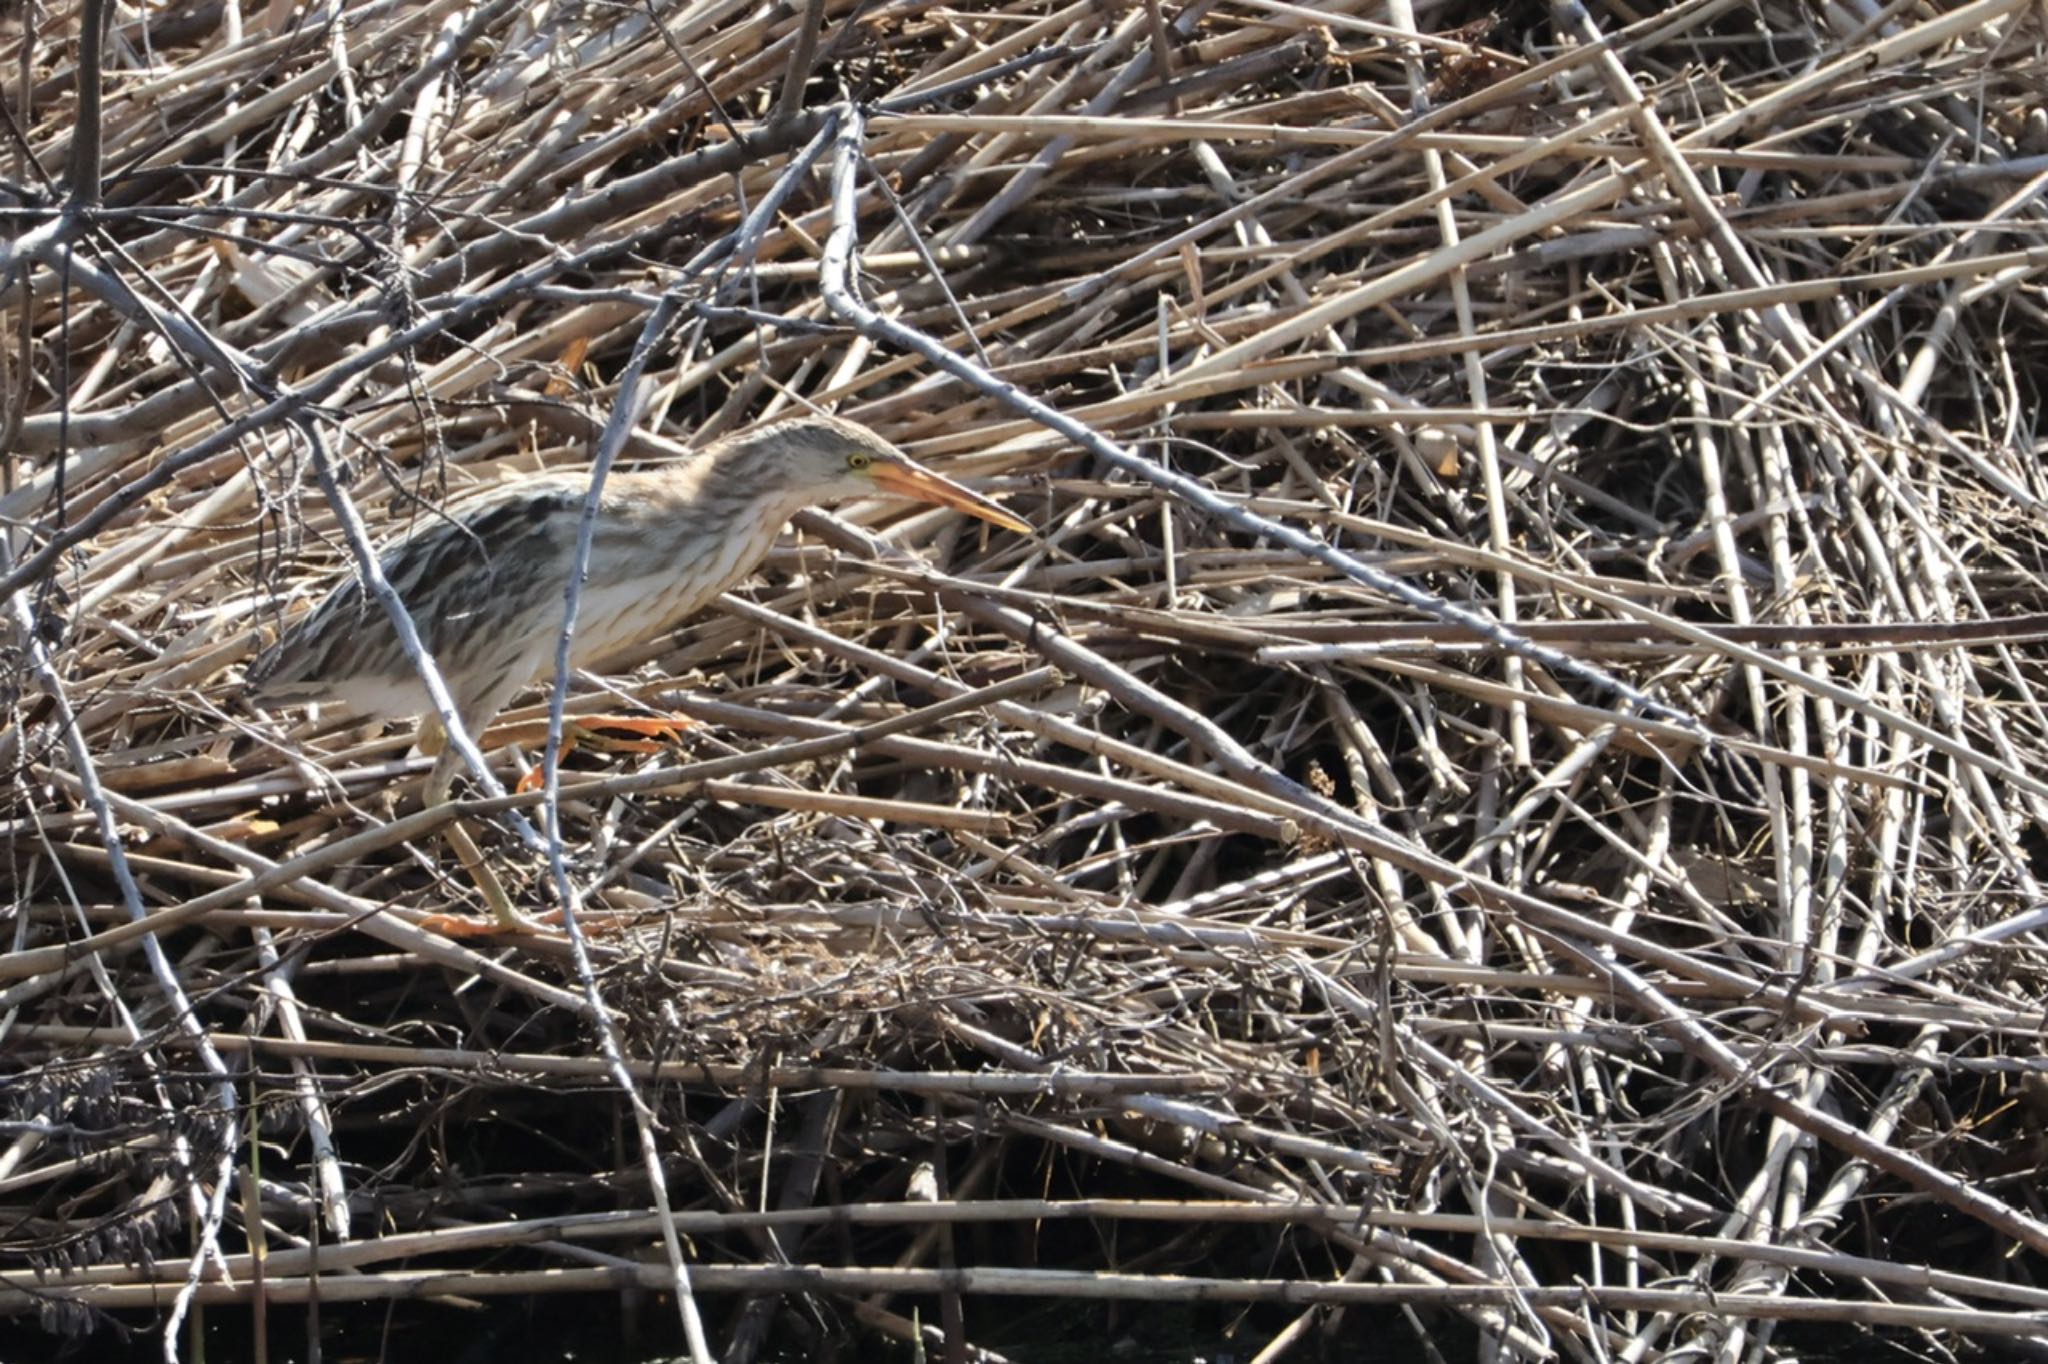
(859, 459)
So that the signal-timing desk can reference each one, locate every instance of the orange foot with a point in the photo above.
(458, 926)
(587, 729)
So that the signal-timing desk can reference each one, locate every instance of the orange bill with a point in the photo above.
(921, 484)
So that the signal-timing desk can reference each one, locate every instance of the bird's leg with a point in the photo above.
(433, 741)
(505, 918)
(587, 731)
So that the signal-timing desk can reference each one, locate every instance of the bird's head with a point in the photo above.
(814, 460)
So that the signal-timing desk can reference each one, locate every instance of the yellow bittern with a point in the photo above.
(484, 584)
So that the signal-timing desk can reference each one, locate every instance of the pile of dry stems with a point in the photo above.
(1501, 812)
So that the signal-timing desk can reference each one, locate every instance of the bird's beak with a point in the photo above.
(921, 484)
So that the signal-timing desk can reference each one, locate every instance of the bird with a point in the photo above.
(484, 583)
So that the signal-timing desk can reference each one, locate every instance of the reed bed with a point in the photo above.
(1499, 816)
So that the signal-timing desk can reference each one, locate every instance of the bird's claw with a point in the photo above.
(661, 730)
(589, 731)
(459, 926)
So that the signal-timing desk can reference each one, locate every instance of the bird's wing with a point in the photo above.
(470, 580)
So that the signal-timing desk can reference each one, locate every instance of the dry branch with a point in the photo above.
(1511, 768)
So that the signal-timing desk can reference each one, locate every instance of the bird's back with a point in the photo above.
(485, 584)
(474, 582)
